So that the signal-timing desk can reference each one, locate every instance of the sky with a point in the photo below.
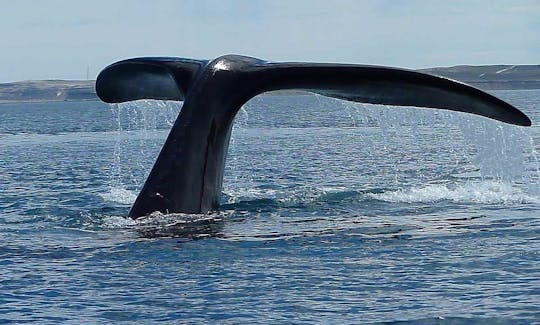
(61, 39)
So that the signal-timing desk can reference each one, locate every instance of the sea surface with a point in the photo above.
(332, 213)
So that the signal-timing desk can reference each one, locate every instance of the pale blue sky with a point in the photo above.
(59, 39)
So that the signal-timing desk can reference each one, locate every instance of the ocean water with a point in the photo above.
(332, 212)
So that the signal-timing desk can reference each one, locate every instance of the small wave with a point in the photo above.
(119, 195)
(487, 192)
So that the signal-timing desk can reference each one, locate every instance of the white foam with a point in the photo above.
(300, 194)
(117, 222)
(487, 192)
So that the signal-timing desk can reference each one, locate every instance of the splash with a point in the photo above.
(500, 151)
(119, 195)
(486, 192)
(178, 225)
(141, 127)
(462, 157)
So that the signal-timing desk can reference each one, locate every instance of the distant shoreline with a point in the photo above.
(488, 77)
(22, 101)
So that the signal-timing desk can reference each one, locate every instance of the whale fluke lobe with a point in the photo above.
(147, 78)
(187, 175)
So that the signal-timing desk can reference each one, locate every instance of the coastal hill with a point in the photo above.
(492, 77)
(47, 90)
(488, 77)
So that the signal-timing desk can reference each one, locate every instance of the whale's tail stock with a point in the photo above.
(188, 173)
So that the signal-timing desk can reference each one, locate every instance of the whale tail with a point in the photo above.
(187, 175)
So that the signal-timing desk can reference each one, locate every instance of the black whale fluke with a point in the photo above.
(188, 173)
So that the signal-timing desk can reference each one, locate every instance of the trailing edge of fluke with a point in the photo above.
(188, 173)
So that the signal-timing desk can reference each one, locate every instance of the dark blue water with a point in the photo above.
(332, 213)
